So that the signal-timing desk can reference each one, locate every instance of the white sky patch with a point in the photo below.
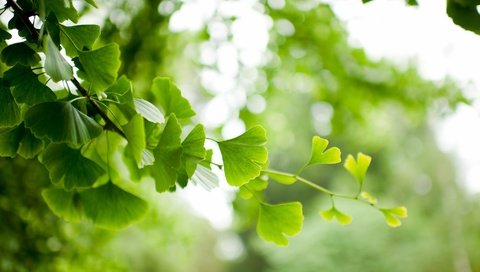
(392, 30)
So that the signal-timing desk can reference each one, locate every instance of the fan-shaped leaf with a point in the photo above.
(55, 65)
(321, 156)
(10, 141)
(244, 156)
(333, 212)
(26, 86)
(78, 38)
(171, 99)
(167, 156)
(205, 178)
(63, 10)
(10, 115)
(68, 167)
(100, 66)
(19, 53)
(358, 168)
(61, 122)
(135, 133)
(64, 204)
(111, 207)
(30, 146)
(276, 221)
(148, 111)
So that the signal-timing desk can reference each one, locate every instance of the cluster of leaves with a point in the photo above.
(98, 141)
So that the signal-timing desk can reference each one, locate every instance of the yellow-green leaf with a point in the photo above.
(277, 221)
(358, 168)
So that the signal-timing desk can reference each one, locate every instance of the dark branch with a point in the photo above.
(24, 17)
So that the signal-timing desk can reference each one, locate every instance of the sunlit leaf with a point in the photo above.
(392, 215)
(26, 86)
(64, 204)
(358, 168)
(19, 53)
(63, 9)
(55, 65)
(193, 149)
(61, 122)
(368, 197)
(100, 66)
(321, 156)
(171, 99)
(69, 168)
(111, 207)
(283, 178)
(205, 178)
(10, 115)
(255, 185)
(135, 133)
(148, 110)
(276, 221)
(167, 156)
(245, 156)
(78, 38)
(333, 212)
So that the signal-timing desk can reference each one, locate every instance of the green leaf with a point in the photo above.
(61, 122)
(30, 146)
(465, 16)
(100, 66)
(19, 53)
(26, 86)
(171, 99)
(255, 185)
(135, 133)
(92, 2)
(245, 156)
(10, 115)
(148, 110)
(55, 65)
(167, 156)
(64, 204)
(368, 197)
(282, 178)
(321, 156)
(193, 149)
(121, 92)
(69, 168)
(111, 207)
(78, 38)
(10, 141)
(63, 10)
(333, 212)
(358, 168)
(4, 35)
(276, 221)
(392, 215)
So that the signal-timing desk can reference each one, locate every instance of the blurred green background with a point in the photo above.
(297, 75)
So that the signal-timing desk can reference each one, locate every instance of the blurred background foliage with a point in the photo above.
(304, 80)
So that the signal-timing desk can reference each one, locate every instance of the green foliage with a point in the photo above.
(245, 156)
(276, 221)
(99, 142)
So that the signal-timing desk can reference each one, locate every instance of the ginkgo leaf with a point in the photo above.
(66, 205)
(167, 156)
(135, 133)
(69, 168)
(78, 38)
(19, 53)
(333, 212)
(10, 115)
(26, 86)
(55, 65)
(111, 207)
(245, 156)
(63, 9)
(321, 156)
(193, 149)
(466, 16)
(10, 141)
(392, 215)
(369, 197)
(148, 110)
(255, 185)
(100, 66)
(205, 178)
(276, 221)
(171, 99)
(4, 35)
(61, 122)
(30, 145)
(358, 168)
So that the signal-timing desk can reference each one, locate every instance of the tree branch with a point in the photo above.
(24, 17)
